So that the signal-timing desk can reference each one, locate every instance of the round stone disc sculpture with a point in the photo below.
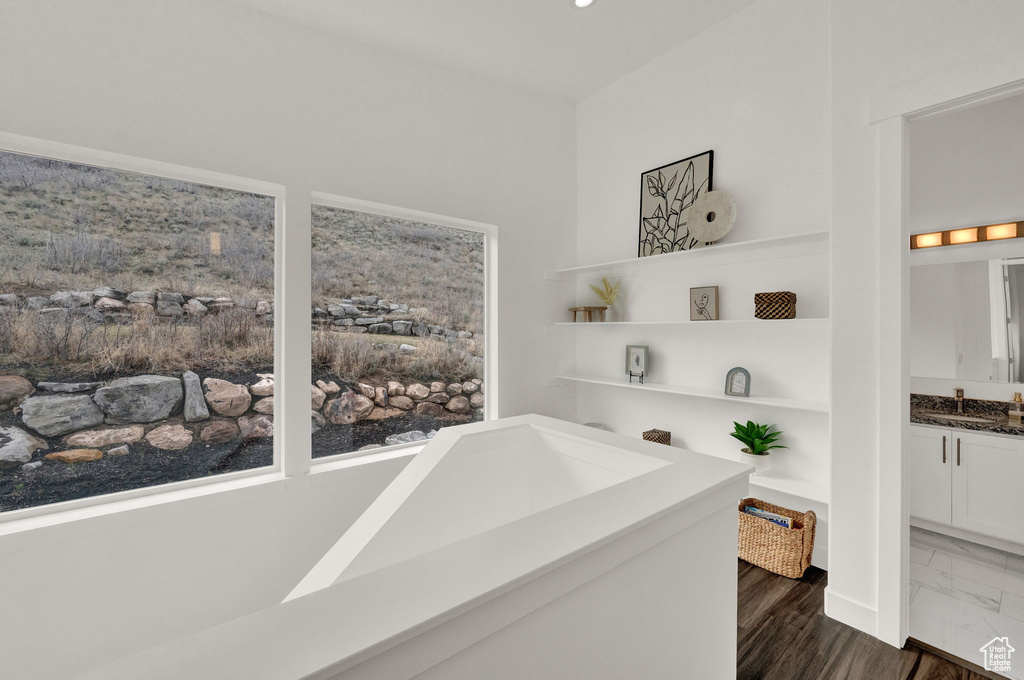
(711, 216)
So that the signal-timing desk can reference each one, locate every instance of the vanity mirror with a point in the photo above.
(966, 318)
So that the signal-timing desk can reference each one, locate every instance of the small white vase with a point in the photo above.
(761, 463)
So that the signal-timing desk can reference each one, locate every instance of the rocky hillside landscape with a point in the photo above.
(137, 321)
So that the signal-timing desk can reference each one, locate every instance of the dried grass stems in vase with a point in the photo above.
(608, 292)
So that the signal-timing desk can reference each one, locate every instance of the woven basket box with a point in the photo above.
(659, 436)
(783, 551)
(778, 305)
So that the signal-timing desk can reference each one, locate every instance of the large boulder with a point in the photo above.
(317, 422)
(402, 402)
(13, 390)
(195, 402)
(106, 304)
(68, 388)
(69, 299)
(317, 397)
(417, 391)
(458, 404)
(168, 308)
(37, 302)
(437, 386)
(95, 439)
(454, 389)
(227, 398)
(438, 398)
(264, 405)
(10, 300)
(219, 432)
(17, 446)
(140, 399)
(405, 438)
(381, 398)
(264, 307)
(170, 297)
(395, 388)
(369, 320)
(380, 329)
(263, 388)
(52, 416)
(194, 308)
(402, 327)
(384, 413)
(108, 292)
(476, 400)
(75, 455)
(170, 437)
(348, 408)
(147, 297)
(256, 427)
(427, 408)
(470, 387)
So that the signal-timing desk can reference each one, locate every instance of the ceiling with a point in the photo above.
(547, 46)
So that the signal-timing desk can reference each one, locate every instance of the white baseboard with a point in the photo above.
(854, 614)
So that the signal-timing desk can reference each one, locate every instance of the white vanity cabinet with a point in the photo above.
(968, 480)
(929, 474)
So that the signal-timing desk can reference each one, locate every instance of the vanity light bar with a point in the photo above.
(953, 237)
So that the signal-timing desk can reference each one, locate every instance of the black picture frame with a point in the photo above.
(665, 193)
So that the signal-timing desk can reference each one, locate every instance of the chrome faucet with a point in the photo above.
(960, 400)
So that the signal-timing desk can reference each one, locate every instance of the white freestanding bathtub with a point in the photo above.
(523, 548)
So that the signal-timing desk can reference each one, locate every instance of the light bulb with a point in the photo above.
(583, 3)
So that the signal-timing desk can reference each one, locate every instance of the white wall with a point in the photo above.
(754, 88)
(215, 87)
(877, 44)
(781, 92)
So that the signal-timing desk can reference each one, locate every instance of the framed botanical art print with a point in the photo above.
(704, 303)
(737, 382)
(666, 194)
(636, 361)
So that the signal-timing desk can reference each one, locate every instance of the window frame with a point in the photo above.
(490, 377)
(132, 498)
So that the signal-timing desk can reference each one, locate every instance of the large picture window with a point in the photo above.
(398, 329)
(136, 330)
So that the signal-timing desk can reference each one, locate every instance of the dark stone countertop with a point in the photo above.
(924, 409)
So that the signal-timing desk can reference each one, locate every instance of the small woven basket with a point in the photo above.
(659, 436)
(783, 551)
(778, 305)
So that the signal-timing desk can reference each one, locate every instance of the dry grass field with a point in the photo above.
(73, 227)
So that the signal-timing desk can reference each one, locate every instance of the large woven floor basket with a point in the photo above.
(786, 552)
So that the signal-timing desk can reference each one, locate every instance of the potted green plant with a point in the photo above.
(758, 442)
(608, 292)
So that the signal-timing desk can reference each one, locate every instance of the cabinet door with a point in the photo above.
(929, 470)
(988, 479)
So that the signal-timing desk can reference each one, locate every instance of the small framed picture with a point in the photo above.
(704, 303)
(737, 382)
(636, 361)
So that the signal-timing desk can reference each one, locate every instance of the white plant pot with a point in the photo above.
(761, 463)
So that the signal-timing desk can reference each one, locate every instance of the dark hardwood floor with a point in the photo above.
(785, 635)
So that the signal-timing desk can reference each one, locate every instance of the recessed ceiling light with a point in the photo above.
(584, 3)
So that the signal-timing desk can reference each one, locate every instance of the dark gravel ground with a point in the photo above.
(146, 465)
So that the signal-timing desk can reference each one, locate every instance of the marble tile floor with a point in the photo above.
(962, 595)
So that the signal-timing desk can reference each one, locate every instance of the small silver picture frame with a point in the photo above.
(737, 382)
(636, 361)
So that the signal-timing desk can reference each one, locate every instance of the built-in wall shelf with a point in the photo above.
(766, 248)
(731, 323)
(803, 488)
(701, 393)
